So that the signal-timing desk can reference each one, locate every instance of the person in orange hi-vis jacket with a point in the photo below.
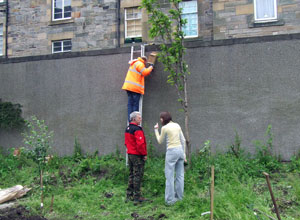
(134, 82)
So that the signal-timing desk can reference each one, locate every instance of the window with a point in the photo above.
(61, 9)
(190, 13)
(61, 46)
(1, 1)
(133, 22)
(265, 10)
(1, 39)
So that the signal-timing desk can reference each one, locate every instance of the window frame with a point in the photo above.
(63, 11)
(62, 46)
(196, 12)
(2, 37)
(263, 20)
(125, 23)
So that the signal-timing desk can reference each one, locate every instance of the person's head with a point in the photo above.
(165, 118)
(135, 117)
(144, 58)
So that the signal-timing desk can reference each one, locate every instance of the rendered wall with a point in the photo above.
(242, 87)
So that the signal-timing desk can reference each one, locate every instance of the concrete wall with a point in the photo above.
(243, 87)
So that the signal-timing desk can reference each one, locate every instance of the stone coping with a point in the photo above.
(152, 47)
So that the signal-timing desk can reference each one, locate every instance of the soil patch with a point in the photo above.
(18, 213)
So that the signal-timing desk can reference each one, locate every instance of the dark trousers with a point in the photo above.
(136, 168)
(133, 102)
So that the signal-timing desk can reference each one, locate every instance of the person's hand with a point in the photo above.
(145, 158)
(156, 126)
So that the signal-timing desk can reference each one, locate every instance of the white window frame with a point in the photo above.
(1, 37)
(270, 19)
(194, 12)
(140, 18)
(63, 11)
(62, 46)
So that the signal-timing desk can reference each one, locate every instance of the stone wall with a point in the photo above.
(235, 19)
(94, 23)
(31, 29)
(2, 23)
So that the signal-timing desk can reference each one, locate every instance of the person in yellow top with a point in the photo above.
(134, 82)
(175, 157)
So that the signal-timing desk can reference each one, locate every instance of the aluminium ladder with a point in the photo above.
(142, 53)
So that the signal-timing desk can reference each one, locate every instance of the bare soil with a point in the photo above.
(18, 213)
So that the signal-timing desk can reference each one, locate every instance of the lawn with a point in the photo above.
(90, 187)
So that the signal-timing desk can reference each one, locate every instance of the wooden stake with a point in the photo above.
(212, 193)
(51, 206)
(42, 198)
(272, 196)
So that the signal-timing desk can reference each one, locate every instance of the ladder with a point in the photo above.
(142, 53)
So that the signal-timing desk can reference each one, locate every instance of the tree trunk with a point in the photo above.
(186, 121)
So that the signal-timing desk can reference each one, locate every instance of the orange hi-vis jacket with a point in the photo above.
(135, 81)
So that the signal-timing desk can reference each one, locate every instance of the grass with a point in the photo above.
(92, 187)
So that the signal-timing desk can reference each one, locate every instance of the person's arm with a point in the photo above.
(183, 143)
(140, 142)
(143, 70)
(160, 138)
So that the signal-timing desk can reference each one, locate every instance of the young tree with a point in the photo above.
(38, 140)
(166, 26)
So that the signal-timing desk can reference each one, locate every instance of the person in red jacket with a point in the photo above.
(134, 82)
(135, 143)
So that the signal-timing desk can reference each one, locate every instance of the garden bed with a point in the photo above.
(18, 213)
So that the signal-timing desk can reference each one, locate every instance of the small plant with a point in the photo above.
(38, 140)
(236, 146)
(149, 137)
(77, 154)
(264, 152)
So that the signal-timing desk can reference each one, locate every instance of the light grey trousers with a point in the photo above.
(174, 166)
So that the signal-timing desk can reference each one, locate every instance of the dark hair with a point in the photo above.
(166, 116)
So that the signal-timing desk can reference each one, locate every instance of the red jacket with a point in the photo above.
(135, 140)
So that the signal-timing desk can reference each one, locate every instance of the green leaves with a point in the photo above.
(10, 115)
(38, 140)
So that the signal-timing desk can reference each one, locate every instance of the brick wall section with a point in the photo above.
(31, 31)
(234, 19)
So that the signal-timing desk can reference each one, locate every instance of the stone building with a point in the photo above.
(41, 27)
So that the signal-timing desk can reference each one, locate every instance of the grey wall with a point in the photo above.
(242, 87)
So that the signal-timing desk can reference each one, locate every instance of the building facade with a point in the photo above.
(41, 27)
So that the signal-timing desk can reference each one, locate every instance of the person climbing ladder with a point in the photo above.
(134, 83)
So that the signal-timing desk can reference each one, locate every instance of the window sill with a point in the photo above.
(134, 39)
(257, 24)
(64, 21)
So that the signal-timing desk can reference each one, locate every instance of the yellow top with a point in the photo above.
(173, 134)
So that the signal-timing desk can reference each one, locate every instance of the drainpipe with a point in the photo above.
(6, 30)
(118, 22)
